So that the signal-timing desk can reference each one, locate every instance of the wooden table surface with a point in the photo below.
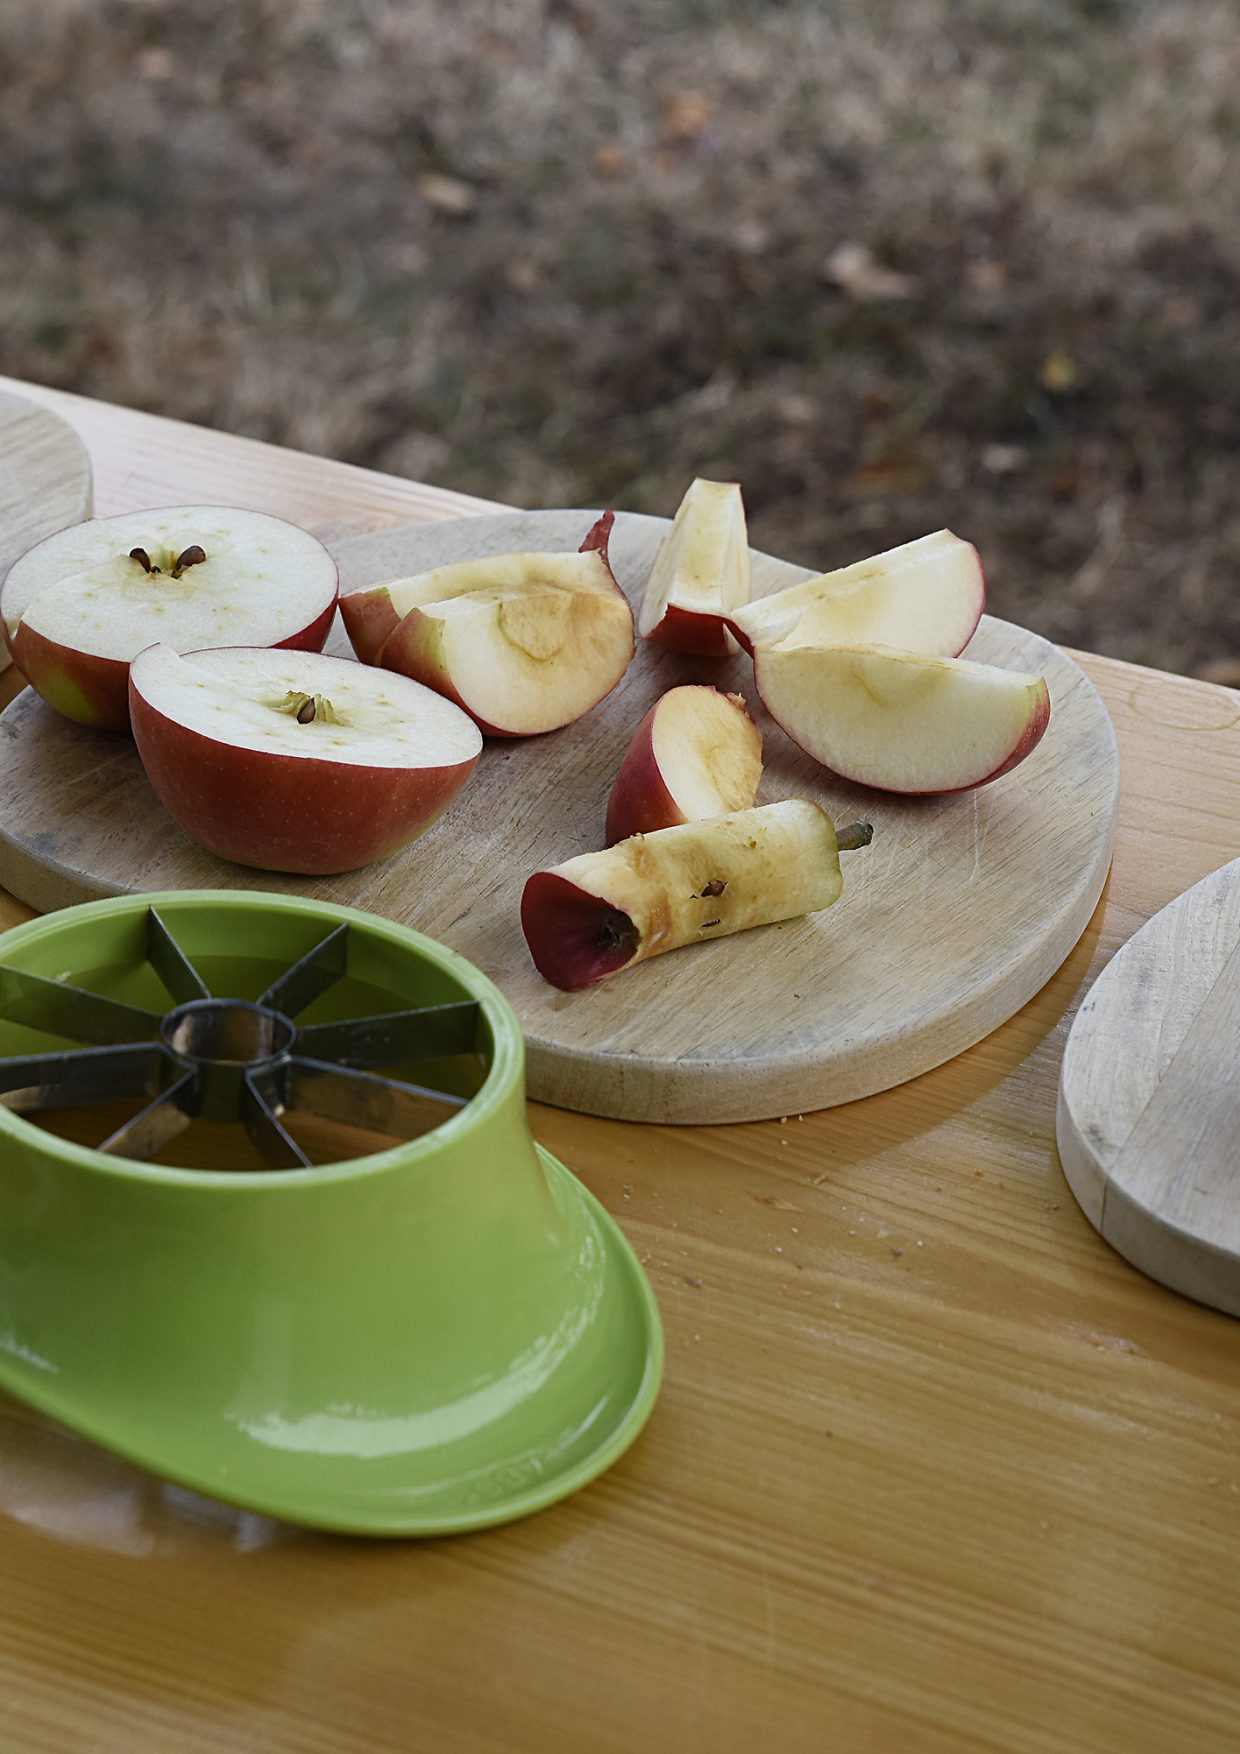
(932, 1469)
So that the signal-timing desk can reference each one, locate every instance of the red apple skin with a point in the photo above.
(640, 801)
(700, 636)
(598, 536)
(563, 926)
(95, 691)
(369, 621)
(280, 813)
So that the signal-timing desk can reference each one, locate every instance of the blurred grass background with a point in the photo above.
(892, 264)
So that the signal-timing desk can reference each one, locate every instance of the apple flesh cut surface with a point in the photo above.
(926, 596)
(899, 721)
(522, 649)
(80, 605)
(292, 761)
(597, 914)
(373, 614)
(697, 753)
(700, 573)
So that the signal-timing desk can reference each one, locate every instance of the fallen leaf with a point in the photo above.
(687, 115)
(448, 195)
(1058, 372)
(853, 268)
(610, 159)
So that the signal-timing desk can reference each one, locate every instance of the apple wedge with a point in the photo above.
(596, 914)
(372, 615)
(697, 753)
(926, 596)
(899, 721)
(700, 573)
(79, 606)
(292, 761)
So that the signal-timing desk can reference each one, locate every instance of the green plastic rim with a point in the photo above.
(434, 1337)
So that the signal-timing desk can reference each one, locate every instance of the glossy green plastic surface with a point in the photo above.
(441, 1335)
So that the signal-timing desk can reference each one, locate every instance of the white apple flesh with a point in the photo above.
(292, 761)
(80, 605)
(925, 596)
(602, 912)
(373, 614)
(524, 643)
(901, 722)
(697, 753)
(700, 573)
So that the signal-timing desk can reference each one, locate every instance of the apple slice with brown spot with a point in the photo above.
(602, 912)
(697, 753)
(900, 721)
(700, 573)
(523, 649)
(925, 596)
(373, 614)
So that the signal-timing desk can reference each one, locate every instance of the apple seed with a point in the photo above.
(306, 708)
(191, 556)
(716, 886)
(143, 559)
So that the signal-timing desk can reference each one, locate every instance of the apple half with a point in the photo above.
(293, 761)
(700, 573)
(524, 643)
(697, 753)
(80, 605)
(925, 596)
(900, 721)
(602, 912)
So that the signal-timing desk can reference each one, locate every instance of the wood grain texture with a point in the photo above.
(963, 907)
(45, 480)
(933, 1468)
(1149, 1101)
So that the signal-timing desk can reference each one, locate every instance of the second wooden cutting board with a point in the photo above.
(963, 907)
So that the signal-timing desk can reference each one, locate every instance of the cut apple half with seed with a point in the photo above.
(372, 615)
(697, 753)
(80, 605)
(293, 761)
(700, 573)
(899, 721)
(602, 912)
(925, 596)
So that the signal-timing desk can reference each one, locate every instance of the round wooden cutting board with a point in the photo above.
(45, 480)
(1149, 1105)
(960, 910)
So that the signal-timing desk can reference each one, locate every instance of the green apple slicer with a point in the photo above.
(272, 1223)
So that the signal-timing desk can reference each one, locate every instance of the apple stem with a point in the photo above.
(855, 836)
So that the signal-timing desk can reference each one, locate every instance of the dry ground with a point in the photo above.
(891, 263)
